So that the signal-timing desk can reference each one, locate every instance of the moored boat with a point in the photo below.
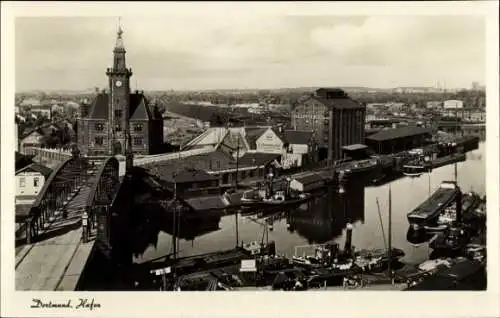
(430, 209)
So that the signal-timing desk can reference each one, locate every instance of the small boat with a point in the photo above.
(435, 229)
(376, 257)
(476, 252)
(453, 240)
(433, 265)
(413, 170)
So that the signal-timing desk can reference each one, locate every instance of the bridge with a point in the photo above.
(51, 253)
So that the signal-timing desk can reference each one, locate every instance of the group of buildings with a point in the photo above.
(326, 126)
(35, 108)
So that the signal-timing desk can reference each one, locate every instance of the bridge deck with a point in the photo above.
(57, 260)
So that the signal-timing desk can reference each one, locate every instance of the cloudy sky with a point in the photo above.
(207, 52)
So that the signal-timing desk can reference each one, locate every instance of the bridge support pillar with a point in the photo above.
(27, 226)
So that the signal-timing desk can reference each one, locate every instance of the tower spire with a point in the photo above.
(119, 39)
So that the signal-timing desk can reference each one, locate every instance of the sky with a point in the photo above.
(252, 51)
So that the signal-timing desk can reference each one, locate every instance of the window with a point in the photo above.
(22, 182)
(138, 127)
(99, 126)
(137, 141)
(36, 182)
(118, 113)
(99, 141)
(118, 127)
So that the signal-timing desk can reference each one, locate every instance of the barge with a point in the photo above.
(430, 209)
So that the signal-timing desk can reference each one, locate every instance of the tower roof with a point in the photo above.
(119, 40)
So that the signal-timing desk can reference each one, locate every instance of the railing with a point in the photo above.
(102, 192)
(54, 195)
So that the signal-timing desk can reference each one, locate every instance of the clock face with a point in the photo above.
(118, 83)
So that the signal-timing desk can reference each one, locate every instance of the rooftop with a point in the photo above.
(400, 132)
(298, 137)
(36, 167)
(308, 179)
(355, 147)
(139, 108)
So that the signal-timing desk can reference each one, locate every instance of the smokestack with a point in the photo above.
(348, 239)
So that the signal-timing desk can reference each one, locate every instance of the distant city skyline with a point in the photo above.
(255, 52)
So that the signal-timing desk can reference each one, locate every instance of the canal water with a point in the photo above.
(325, 218)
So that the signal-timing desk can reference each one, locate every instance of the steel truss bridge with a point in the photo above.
(51, 253)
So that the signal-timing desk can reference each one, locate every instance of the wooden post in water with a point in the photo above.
(389, 243)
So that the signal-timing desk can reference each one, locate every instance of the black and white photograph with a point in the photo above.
(248, 150)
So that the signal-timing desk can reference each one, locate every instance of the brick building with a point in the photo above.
(113, 117)
(336, 119)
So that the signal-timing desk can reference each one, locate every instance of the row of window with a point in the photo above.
(137, 141)
(22, 182)
(136, 127)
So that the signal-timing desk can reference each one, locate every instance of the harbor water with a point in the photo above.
(325, 218)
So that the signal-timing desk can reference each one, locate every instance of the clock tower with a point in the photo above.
(119, 99)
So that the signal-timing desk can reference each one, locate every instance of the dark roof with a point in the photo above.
(257, 159)
(205, 203)
(355, 147)
(252, 134)
(22, 160)
(331, 92)
(399, 132)
(188, 176)
(298, 137)
(280, 134)
(99, 107)
(308, 179)
(36, 167)
(139, 109)
(339, 103)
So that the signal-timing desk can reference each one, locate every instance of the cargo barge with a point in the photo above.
(430, 209)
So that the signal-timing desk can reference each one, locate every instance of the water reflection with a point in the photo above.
(323, 219)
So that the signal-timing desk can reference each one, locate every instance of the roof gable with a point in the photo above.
(35, 167)
(271, 133)
(252, 134)
(139, 109)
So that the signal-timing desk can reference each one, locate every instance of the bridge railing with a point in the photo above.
(102, 192)
(54, 195)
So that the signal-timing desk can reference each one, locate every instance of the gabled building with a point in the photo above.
(29, 181)
(116, 116)
(31, 139)
(292, 147)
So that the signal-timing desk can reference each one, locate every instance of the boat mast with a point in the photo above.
(236, 186)
(389, 250)
(456, 128)
(174, 232)
(381, 223)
